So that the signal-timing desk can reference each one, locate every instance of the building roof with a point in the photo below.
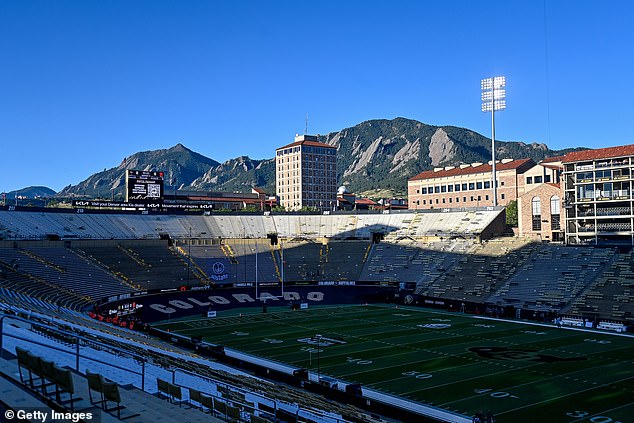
(521, 165)
(599, 153)
(365, 201)
(307, 143)
(552, 159)
(554, 166)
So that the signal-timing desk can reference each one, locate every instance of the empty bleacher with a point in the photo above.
(477, 274)
(63, 268)
(303, 260)
(611, 295)
(147, 265)
(552, 277)
(244, 252)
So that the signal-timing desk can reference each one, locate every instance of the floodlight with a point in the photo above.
(493, 99)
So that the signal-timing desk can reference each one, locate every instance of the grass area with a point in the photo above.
(522, 372)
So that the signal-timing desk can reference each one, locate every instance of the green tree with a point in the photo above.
(511, 214)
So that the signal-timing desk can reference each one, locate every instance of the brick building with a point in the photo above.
(470, 185)
(540, 213)
(306, 174)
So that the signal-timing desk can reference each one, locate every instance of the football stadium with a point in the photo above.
(426, 316)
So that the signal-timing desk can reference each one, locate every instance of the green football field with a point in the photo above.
(522, 372)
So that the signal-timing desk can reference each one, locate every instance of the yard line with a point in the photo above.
(532, 404)
(601, 413)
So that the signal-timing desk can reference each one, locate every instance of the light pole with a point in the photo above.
(282, 251)
(493, 98)
(255, 250)
(318, 338)
(189, 254)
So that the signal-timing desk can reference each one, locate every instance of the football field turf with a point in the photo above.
(521, 372)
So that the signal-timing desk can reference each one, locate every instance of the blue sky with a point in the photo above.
(84, 83)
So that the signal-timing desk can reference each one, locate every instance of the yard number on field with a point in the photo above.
(417, 375)
(494, 394)
(579, 414)
(358, 361)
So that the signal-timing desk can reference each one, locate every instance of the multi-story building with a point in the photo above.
(539, 209)
(306, 174)
(471, 186)
(598, 196)
(540, 212)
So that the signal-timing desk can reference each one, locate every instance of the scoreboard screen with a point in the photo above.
(144, 186)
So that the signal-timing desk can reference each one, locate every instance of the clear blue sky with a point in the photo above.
(84, 83)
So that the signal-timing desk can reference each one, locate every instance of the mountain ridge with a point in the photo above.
(375, 154)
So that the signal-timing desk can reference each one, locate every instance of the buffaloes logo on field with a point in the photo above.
(519, 354)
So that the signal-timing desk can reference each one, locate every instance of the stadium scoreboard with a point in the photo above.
(144, 186)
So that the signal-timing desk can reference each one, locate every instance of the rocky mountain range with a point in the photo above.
(376, 154)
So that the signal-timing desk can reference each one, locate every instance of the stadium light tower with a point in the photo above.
(493, 99)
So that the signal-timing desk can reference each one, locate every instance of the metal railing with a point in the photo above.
(78, 341)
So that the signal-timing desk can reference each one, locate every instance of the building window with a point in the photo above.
(536, 208)
(487, 184)
(450, 200)
(471, 186)
(538, 179)
(443, 188)
(529, 180)
(464, 187)
(457, 199)
(436, 189)
(443, 201)
(555, 213)
(423, 190)
(547, 178)
(555, 220)
(457, 187)
(450, 188)
(478, 185)
(502, 196)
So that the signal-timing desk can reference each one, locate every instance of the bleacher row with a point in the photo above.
(503, 272)
(204, 390)
(418, 248)
(37, 225)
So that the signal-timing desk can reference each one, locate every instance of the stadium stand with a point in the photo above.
(477, 275)
(443, 254)
(57, 268)
(610, 296)
(243, 251)
(553, 277)
(140, 375)
(344, 260)
(303, 260)
(152, 264)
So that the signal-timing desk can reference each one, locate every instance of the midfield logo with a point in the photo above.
(519, 354)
